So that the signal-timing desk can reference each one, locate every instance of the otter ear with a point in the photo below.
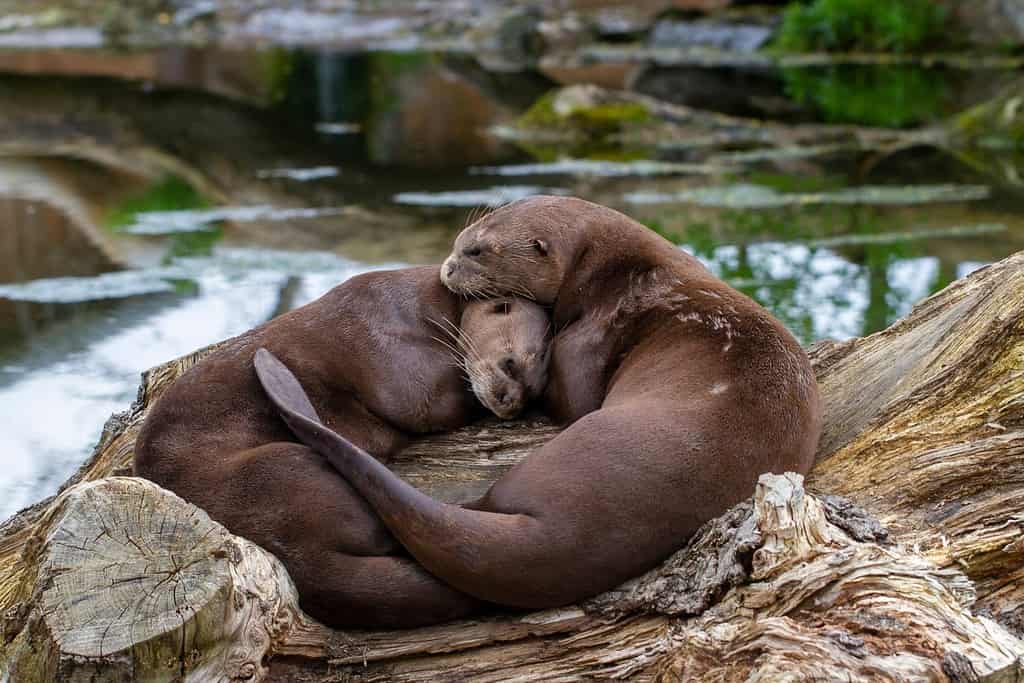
(541, 246)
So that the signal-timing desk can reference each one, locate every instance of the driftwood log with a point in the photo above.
(902, 559)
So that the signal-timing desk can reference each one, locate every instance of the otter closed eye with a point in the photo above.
(472, 251)
(500, 340)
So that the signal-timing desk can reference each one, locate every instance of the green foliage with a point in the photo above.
(871, 25)
(198, 243)
(168, 194)
(891, 97)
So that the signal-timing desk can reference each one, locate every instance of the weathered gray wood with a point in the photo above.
(923, 428)
(132, 583)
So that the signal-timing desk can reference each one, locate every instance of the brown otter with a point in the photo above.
(681, 392)
(380, 367)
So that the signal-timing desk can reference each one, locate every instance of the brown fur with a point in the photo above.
(681, 391)
(378, 354)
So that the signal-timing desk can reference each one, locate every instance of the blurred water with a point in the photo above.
(371, 161)
(56, 392)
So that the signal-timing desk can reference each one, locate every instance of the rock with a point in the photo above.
(744, 91)
(736, 91)
(615, 17)
(989, 22)
(610, 75)
(426, 115)
(226, 73)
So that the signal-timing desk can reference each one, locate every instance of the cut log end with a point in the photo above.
(132, 579)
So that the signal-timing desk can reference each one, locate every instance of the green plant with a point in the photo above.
(874, 25)
(199, 243)
(891, 97)
(170, 193)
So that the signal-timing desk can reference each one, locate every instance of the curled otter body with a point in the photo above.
(680, 392)
(377, 355)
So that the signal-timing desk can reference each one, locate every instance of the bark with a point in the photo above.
(902, 560)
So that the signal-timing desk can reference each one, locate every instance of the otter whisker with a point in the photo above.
(469, 345)
(471, 216)
(465, 343)
(455, 351)
(442, 324)
(453, 343)
(450, 328)
(519, 289)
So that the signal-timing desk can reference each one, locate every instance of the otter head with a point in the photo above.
(504, 344)
(521, 249)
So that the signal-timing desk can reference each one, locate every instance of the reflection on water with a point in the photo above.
(895, 97)
(161, 223)
(747, 196)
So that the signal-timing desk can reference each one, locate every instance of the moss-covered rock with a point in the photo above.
(995, 124)
(576, 121)
(575, 109)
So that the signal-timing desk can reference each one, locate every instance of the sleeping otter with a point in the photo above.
(383, 356)
(679, 390)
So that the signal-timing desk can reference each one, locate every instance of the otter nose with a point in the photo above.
(450, 268)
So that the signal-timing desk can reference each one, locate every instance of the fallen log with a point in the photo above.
(924, 432)
(134, 583)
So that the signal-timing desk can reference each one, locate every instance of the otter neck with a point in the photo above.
(627, 280)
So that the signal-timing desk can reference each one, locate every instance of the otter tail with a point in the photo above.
(446, 539)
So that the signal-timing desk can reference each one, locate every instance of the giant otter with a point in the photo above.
(376, 354)
(680, 392)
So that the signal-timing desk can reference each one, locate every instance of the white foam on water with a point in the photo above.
(595, 168)
(174, 222)
(495, 196)
(301, 175)
(91, 369)
(224, 261)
